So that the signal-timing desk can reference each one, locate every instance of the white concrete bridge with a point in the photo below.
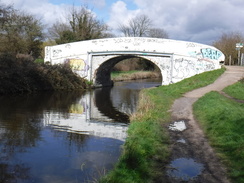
(94, 59)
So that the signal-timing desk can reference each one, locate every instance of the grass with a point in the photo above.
(222, 120)
(39, 61)
(132, 75)
(147, 146)
(115, 74)
(236, 90)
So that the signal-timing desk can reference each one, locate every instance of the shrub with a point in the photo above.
(21, 74)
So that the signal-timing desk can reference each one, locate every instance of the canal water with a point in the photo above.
(65, 136)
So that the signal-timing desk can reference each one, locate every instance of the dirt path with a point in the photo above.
(191, 143)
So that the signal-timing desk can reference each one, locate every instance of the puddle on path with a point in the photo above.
(178, 126)
(184, 169)
(183, 141)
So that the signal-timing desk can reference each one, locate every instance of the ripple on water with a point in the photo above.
(184, 169)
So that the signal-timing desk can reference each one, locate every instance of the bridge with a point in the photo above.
(94, 59)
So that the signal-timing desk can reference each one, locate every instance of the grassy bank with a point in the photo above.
(146, 148)
(19, 75)
(133, 75)
(236, 90)
(223, 122)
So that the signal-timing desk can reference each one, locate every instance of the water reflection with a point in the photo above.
(102, 105)
(61, 136)
(125, 94)
(21, 128)
(79, 125)
(185, 169)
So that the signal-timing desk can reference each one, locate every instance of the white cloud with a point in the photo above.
(195, 20)
(96, 3)
(47, 12)
(120, 14)
(191, 20)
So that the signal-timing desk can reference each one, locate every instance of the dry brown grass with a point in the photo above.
(144, 106)
(127, 65)
(137, 75)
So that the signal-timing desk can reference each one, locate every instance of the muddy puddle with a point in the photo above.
(178, 126)
(184, 169)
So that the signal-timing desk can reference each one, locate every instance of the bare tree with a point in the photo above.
(227, 44)
(125, 30)
(57, 29)
(137, 27)
(141, 26)
(157, 33)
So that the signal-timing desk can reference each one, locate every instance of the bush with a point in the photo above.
(21, 74)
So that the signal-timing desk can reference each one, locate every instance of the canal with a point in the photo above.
(65, 136)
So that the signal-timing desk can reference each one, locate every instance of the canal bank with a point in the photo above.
(147, 148)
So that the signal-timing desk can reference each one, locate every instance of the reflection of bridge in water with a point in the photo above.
(103, 112)
(79, 124)
(91, 116)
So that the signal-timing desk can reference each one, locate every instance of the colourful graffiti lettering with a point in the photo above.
(211, 54)
(77, 64)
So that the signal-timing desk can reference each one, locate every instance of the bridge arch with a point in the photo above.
(176, 60)
(102, 73)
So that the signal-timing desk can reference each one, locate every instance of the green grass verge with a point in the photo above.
(147, 146)
(236, 90)
(223, 122)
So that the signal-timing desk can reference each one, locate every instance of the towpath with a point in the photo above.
(191, 143)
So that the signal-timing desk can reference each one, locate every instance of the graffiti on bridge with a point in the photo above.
(57, 52)
(211, 54)
(184, 68)
(78, 65)
(206, 53)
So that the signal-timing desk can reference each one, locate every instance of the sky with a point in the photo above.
(202, 21)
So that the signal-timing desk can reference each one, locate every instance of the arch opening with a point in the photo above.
(103, 73)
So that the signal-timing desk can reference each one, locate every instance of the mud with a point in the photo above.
(191, 143)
